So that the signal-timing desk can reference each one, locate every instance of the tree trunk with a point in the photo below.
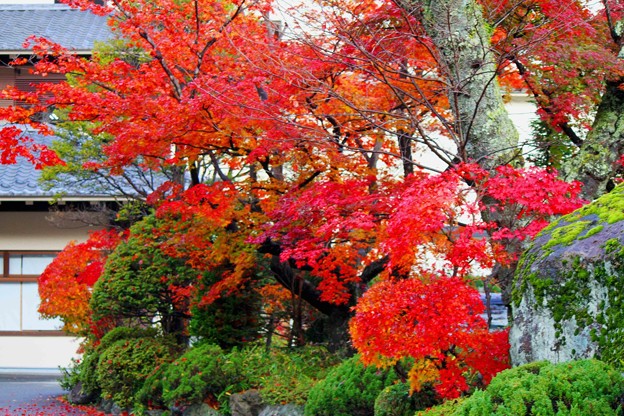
(176, 324)
(483, 130)
(596, 163)
(336, 330)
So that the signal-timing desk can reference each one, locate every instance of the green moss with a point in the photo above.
(592, 231)
(566, 234)
(612, 245)
(540, 287)
(523, 269)
(608, 209)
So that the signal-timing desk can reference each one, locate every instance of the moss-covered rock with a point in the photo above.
(568, 296)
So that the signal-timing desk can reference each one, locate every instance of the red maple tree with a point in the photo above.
(303, 141)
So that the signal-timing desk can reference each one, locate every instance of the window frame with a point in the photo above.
(7, 277)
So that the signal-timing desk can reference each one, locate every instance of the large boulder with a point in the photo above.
(201, 409)
(568, 294)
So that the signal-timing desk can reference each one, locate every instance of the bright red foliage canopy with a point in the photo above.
(302, 140)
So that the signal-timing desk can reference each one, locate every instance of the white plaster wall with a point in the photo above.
(31, 231)
(522, 111)
(37, 352)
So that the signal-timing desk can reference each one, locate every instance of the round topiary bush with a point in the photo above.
(350, 389)
(124, 365)
(84, 372)
(587, 387)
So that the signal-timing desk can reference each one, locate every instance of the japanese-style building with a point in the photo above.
(35, 222)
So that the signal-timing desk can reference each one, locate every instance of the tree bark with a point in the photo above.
(336, 327)
(596, 163)
(483, 130)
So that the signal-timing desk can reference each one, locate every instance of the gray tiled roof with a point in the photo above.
(73, 29)
(21, 181)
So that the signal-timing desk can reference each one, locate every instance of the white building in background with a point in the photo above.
(28, 240)
(523, 112)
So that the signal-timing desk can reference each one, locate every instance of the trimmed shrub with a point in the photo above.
(284, 375)
(124, 364)
(202, 374)
(124, 333)
(84, 371)
(140, 284)
(349, 389)
(395, 400)
(587, 387)
(150, 395)
(205, 373)
(447, 408)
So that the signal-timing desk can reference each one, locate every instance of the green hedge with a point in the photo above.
(284, 375)
(202, 372)
(117, 367)
(207, 373)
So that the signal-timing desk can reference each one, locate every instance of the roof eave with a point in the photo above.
(30, 52)
(54, 198)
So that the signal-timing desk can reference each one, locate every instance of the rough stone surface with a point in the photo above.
(200, 410)
(247, 403)
(284, 410)
(106, 405)
(568, 294)
(78, 396)
(118, 411)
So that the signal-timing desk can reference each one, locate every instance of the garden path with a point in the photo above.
(33, 394)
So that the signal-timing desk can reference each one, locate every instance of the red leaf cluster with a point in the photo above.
(434, 320)
(65, 285)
